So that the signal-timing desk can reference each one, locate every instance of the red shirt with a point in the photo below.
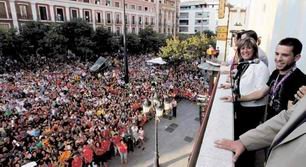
(105, 144)
(122, 148)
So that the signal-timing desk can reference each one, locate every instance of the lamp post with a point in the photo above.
(126, 69)
(158, 113)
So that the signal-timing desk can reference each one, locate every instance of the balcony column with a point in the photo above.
(14, 14)
(34, 11)
(93, 17)
(67, 11)
(52, 14)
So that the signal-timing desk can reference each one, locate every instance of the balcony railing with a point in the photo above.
(218, 123)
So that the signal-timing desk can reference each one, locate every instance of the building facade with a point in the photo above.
(197, 16)
(160, 14)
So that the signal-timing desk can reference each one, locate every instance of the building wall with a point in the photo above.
(197, 16)
(275, 20)
(145, 13)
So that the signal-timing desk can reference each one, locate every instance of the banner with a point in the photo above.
(221, 10)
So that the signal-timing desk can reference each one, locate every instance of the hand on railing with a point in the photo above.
(235, 146)
(225, 86)
(227, 98)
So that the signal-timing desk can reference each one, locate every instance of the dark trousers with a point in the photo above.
(174, 112)
(247, 118)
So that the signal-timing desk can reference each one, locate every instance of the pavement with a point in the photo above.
(176, 138)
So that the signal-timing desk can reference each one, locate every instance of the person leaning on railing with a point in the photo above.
(283, 133)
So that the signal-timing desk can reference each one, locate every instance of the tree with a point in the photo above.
(132, 43)
(79, 34)
(102, 40)
(54, 43)
(31, 35)
(150, 41)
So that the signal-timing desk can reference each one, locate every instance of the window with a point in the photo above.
(108, 18)
(133, 19)
(133, 7)
(99, 17)
(133, 30)
(152, 21)
(118, 30)
(183, 29)
(3, 10)
(87, 1)
(117, 4)
(108, 3)
(59, 14)
(139, 20)
(146, 8)
(109, 29)
(74, 14)
(146, 21)
(23, 11)
(97, 2)
(43, 15)
(152, 1)
(5, 26)
(118, 21)
(139, 7)
(87, 16)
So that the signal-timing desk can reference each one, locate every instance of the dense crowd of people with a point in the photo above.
(64, 115)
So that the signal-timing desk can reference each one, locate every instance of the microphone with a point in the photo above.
(254, 61)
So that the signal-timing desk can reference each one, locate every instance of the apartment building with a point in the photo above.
(198, 15)
(160, 14)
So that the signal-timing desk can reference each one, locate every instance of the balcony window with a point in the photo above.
(139, 20)
(118, 21)
(43, 14)
(108, 18)
(118, 30)
(59, 14)
(117, 4)
(133, 19)
(3, 10)
(133, 7)
(97, 2)
(140, 8)
(99, 17)
(87, 16)
(74, 14)
(108, 3)
(109, 29)
(23, 11)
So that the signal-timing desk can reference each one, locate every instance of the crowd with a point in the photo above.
(63, 115)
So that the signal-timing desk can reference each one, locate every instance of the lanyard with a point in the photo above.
(277, 84)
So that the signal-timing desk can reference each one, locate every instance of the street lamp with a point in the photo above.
(126, 69)
(158, 113)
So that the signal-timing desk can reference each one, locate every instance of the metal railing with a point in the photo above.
(198, 142)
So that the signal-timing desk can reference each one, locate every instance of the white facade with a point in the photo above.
(159, 14)
(275, 20)
(196, 16)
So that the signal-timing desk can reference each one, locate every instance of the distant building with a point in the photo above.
(160, 14)
(198, 15)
